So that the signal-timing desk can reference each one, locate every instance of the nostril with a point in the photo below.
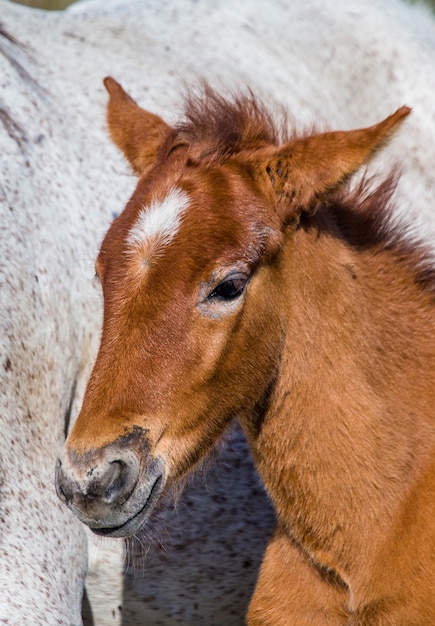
(61, 493)
(61, 484)
(114, 485)
(121, 483)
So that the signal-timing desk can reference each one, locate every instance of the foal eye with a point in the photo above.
(230, 288)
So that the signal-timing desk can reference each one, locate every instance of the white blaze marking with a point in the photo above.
(157, 224)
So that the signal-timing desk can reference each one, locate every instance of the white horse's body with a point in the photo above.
(336, 64)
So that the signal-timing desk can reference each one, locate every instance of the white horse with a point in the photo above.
(340, 65)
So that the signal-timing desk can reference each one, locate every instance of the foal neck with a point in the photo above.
(349, 427)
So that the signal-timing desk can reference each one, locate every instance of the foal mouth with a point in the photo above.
(134, 523)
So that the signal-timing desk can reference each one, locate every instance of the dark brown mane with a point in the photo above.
(221, 127)
(12, 44)
(8, 45)
(363, 217)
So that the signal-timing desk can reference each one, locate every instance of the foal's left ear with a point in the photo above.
(305, 170)
(138, 133)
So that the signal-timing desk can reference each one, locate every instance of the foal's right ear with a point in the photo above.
(138, 133)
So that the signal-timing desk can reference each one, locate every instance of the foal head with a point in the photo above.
(192, 273)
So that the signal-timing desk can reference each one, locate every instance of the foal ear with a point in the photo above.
(305, 170)
(138, 133)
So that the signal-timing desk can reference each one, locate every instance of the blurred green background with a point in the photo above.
(52, 5)
(56, 5)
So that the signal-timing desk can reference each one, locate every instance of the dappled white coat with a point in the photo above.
(341, 65)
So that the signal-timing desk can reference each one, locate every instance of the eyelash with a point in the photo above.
(230, 288)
